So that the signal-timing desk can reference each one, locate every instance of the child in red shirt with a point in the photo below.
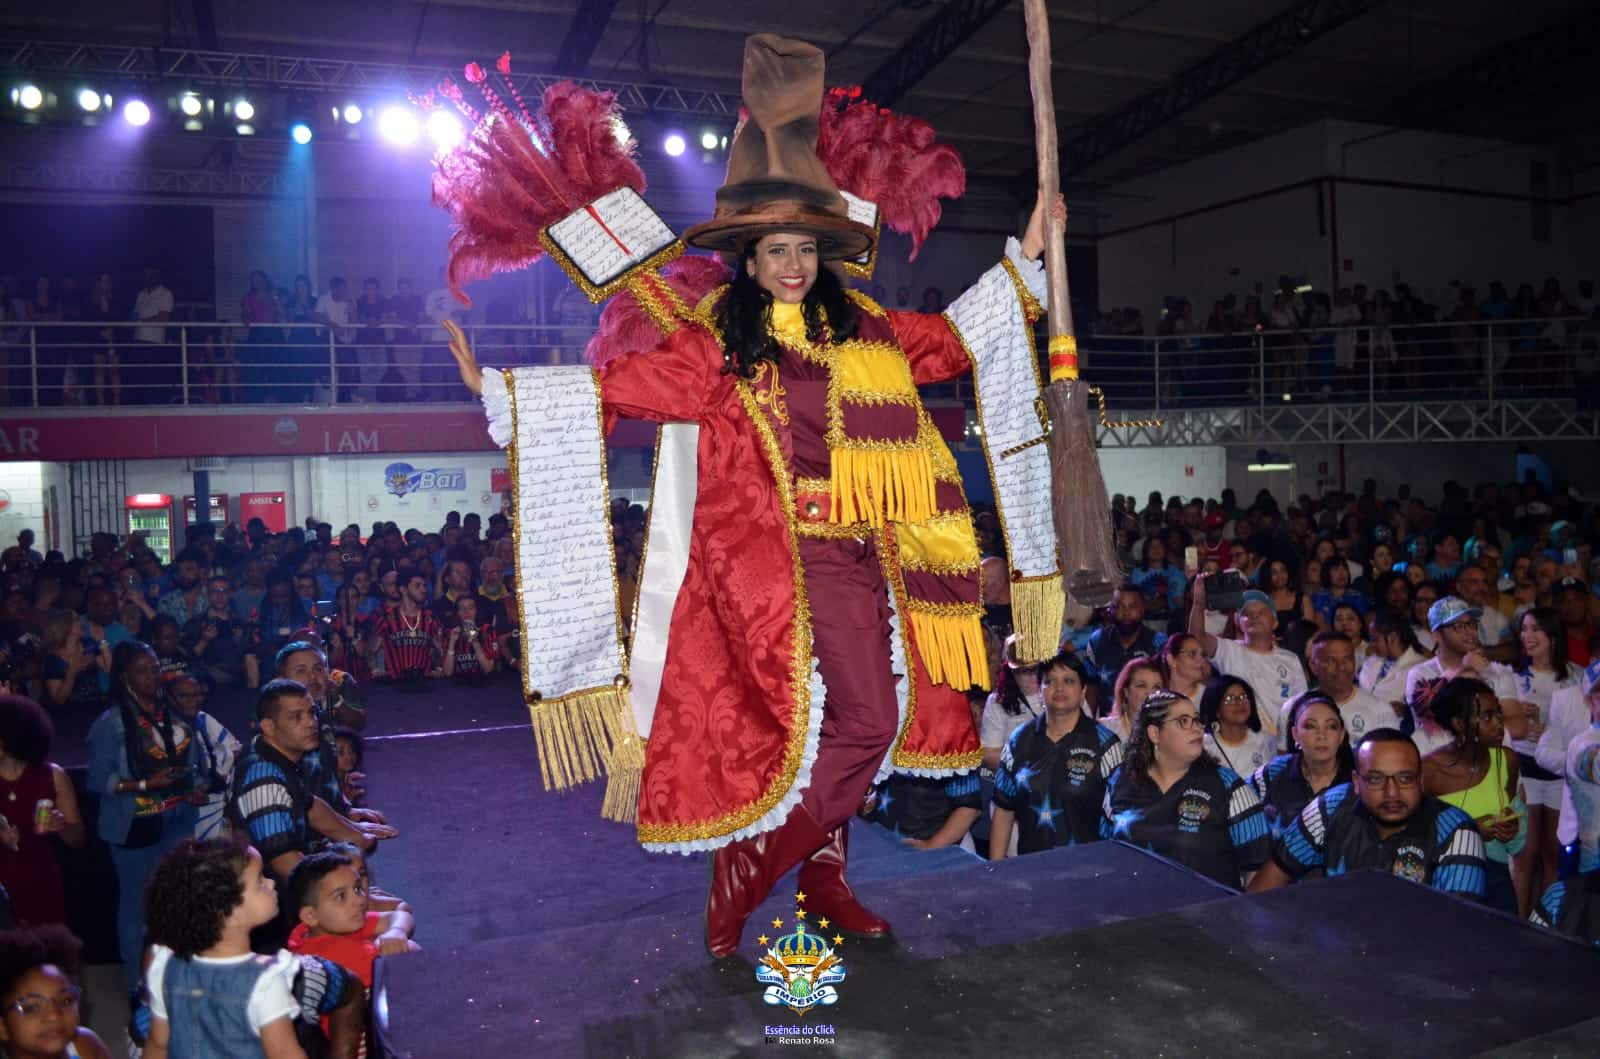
(335, 921)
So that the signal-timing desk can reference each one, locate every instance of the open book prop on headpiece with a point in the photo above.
(558, 181)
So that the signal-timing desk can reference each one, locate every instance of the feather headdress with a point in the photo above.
(889, 159)
(518, 171)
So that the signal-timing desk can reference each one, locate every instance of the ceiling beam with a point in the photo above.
(1260, 47)
(930, 45)
(583, 36)
(1500, 69)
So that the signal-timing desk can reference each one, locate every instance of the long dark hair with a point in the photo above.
(1550, 625)
(1345, 757)
(745, 315)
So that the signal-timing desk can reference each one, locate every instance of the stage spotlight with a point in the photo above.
(674, 144)
(28, 97)
(444, 129)
(301, 133)
(136, 112)
(708, 140)
(352, 114)
(398, 125)
(89, 99)
(243, 109)
(190, 104)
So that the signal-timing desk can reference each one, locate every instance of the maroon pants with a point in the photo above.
(850, 639)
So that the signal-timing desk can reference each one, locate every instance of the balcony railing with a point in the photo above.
(71, 365)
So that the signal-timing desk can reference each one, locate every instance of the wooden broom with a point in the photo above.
(1086, 546)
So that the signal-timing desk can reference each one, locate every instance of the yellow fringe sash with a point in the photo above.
(949, 639)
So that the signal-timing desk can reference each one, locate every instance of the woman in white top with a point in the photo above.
(1014, 702)
(1184, 667)
(1138, 678)
(1541, 670)
(1234, 736)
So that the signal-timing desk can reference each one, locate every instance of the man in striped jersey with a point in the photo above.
(410, 634)
(1381, 819)
(274, 800)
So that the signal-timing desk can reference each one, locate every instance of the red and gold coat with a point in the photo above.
(736, 722)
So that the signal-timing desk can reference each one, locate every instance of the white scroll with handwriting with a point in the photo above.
(609, 236)
(864, 212)
(988, 316)
(568, 598)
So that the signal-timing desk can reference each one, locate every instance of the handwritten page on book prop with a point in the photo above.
(988, 317)
(863, 212)
(567, 600)
(600, 245)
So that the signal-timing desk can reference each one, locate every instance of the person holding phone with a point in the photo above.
(141, 766)
(1273, 673)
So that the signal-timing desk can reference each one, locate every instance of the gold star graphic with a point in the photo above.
(799, 913)
(799, 896)
(762, 940)
(777, 922)
(823, 922)
(838, 939)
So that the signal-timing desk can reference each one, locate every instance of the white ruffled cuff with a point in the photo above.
(497, 406)
(1032, 272)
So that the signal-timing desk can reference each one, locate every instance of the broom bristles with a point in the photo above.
(1085, 541)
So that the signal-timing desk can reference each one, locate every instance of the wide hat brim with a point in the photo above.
(838, 238)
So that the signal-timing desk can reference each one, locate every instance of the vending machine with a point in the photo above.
(151, 514)
(270, 508)
(219, 510)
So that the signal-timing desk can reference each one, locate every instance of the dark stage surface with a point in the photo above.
(546, 931)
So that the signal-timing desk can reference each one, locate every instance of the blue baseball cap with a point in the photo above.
(1255, 595)
(1449, 609)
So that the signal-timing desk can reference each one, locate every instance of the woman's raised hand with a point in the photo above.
(466, 363)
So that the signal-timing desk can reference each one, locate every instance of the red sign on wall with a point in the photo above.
(149, 434)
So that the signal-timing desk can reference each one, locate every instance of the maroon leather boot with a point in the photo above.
(828, 895)
(743, 873)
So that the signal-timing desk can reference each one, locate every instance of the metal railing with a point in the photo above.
(106, 364)
(79, 365)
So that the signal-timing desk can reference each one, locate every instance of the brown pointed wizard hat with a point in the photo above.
(776, 182)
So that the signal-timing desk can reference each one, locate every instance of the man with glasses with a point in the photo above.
(1381, 819)
(1454, 622)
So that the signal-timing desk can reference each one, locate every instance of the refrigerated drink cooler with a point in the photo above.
(151, 514)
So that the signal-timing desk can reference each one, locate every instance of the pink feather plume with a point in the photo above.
(890, 159)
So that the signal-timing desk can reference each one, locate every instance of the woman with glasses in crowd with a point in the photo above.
(1541, 670)
(1013, 703)
(1170, 798)
(1234, 737)
(1477, 775)
(1184, 668)
(1320, 757)
(39, 1001)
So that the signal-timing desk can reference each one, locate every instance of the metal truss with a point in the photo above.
(1383, 424)
(134, 181)
(1259, 47)
(299, 73)
(930, 45)
(1491, 73)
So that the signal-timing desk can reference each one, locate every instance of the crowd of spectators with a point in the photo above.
(1349, 682)
(227, 841)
